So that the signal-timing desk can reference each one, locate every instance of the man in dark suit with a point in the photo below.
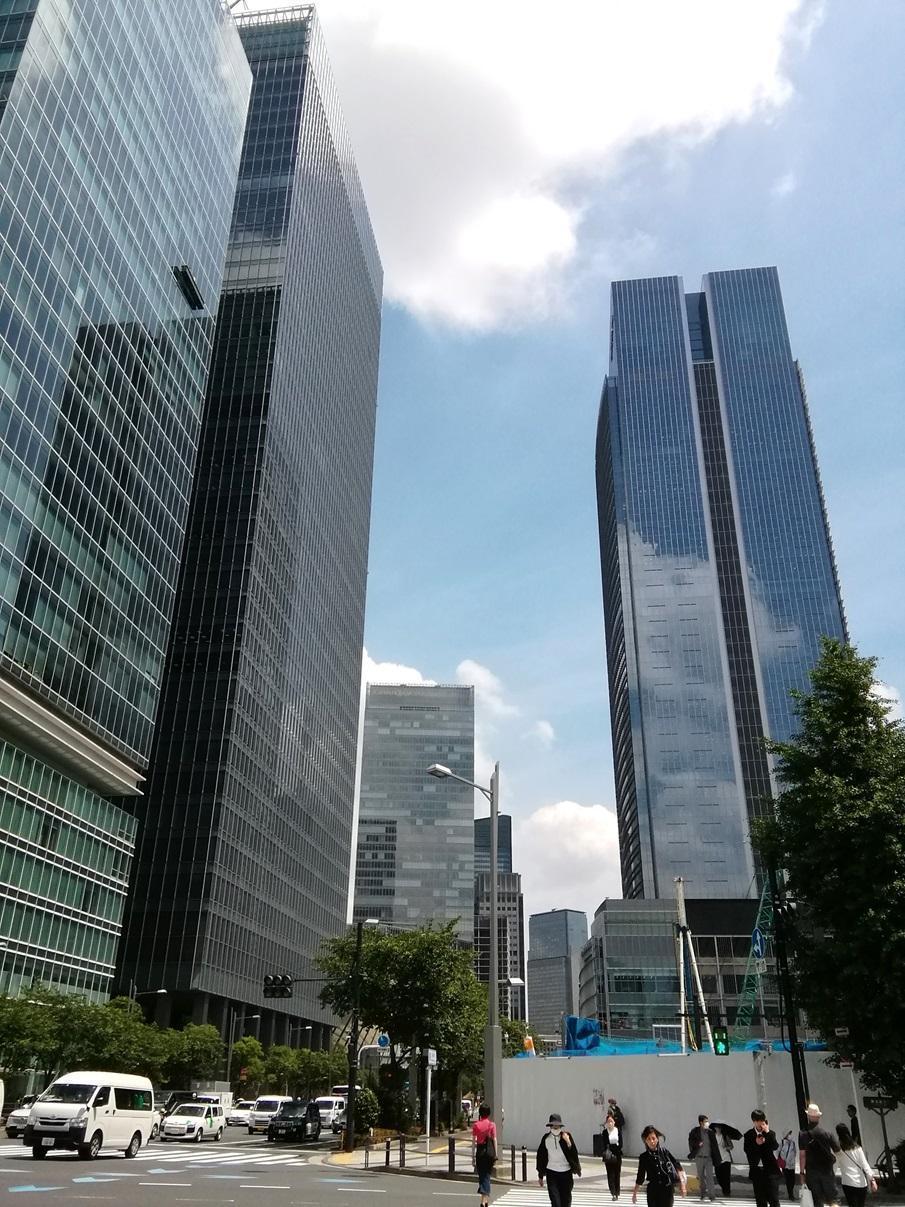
(760, 1148)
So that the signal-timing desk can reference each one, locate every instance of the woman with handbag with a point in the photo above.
(788, 1155)
(660, 1169)
(483, 1136)
(612, 1154)
(854, 1168)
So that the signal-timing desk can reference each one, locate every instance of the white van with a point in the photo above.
(264, 1110)
(86, 1112)
(330, 1110)
(194, 1121)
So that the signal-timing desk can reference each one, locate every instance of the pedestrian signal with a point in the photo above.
(277, 985)
(720, 1041)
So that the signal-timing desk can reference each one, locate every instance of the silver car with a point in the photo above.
(237, 1115)
(16, 1119)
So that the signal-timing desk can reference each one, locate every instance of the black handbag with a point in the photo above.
(598, 1142)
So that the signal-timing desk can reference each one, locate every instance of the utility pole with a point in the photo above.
(349, 1134)
(787, 995)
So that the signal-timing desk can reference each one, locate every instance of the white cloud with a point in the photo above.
(488, 690)
(543, 732)
(481, 144)
(568, 855)
(784, 185)
(391, 672)
(892, 698)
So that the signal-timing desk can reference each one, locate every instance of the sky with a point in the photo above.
(517, 158)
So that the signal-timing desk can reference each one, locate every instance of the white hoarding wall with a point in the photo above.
(671, 1091)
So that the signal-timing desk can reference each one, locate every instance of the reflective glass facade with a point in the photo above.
(245, 843)
(120, 135)
(718, 573)
(415, 860)
(555, 942)
(482, 844)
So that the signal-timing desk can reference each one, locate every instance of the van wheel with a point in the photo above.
(219, 1135)
(91, 1150)
(134, 1145)
(155, 1131)
(38, 1152)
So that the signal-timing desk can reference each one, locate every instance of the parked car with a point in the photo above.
(237, 1116)
(297, 1120)
(18, 1117)
(339, 1123)
(264, 1110)
(88, 1111)
(195, 1121)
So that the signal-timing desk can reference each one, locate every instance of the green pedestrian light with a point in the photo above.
(720, 1041)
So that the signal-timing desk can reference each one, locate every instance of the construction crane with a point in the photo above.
(744, 1015)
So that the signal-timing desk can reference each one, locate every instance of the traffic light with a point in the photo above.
(277, 984)
(720, 1041)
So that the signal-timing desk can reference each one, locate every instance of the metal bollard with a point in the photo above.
(524, 1164)
(512, 1161)
(367, 1155)
(451, 1150)
(402, 1152)
(386, 1158)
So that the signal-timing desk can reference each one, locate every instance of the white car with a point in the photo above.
(16, 1119)
(264, 1110)
(238, 1113)
(195, 1121)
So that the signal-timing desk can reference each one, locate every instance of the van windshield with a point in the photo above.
(266, 1104)
(66, 1092)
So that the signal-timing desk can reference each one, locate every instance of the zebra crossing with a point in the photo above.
(183, 1154)
(528, 1195)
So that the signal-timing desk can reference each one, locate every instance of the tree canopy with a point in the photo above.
(838, 834)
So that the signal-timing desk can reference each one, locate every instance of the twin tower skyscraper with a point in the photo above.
(190, 305)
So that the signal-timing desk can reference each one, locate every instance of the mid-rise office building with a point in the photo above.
(629, 973)
(120, 135)
(718, 572)
(415, 861)
(242, 867)
(555, 943)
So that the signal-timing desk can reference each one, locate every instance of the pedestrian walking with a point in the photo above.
(853, 1125)
(724, 1165)
(660, 1169)
(557, 1162)
(704, 1151)
(483, 1139)
(762, 1150)
(612, 1154)
(788, 1156)
(854, 1167)
(817, 1150)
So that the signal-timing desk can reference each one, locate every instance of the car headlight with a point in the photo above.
(80, 1117)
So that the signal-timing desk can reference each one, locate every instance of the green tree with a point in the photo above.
(515, 1032)
(281, 1068)
(838, 833)
(247, 1071)
(366, 1110)
(419, 986)
(195, 1053)
(314, 1073)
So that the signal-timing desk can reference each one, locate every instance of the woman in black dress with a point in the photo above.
(660, 1169)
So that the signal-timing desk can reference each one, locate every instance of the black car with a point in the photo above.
(297, 1120)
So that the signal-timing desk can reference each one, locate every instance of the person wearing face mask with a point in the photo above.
(761, 1148)
(557, 1162)
(660, 1169)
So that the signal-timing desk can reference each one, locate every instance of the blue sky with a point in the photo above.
(509, 182)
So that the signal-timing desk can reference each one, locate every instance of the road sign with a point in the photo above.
(383, 1040)
(846, 1064)
(841, 1032)
(760, 967)
(879, 1103)
(758, 943)
(431, 1058)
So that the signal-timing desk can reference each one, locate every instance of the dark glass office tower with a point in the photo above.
(120, 135)
(246, 825)
(718, 571)
(482, 844)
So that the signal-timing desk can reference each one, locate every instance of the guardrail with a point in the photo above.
(397, 1152)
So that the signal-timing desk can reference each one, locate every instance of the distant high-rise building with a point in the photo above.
(120, 133)
(415, 833)
(555, 942)
(242, 867)
(510, 939)
(718, 572)
(482, 844)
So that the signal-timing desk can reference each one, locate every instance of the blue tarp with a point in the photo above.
(650, 1047)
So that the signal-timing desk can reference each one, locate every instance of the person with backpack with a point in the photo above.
(483, 1138)
(817, 1150)
(557, 1161)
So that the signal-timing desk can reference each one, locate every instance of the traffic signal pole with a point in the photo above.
(354, 1027)
(787, 996)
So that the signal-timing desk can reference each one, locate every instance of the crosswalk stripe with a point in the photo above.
(536, 1196)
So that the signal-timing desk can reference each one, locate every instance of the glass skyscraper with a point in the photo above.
(120, 135)
(246, 825)
(415, 860)
(482, 844)
(555, 942)
(718, 571)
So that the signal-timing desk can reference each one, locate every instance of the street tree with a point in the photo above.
(195, 1052)
(838, 834)
(247, 1072)
(281, 1068)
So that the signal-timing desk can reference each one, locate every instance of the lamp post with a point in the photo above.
(134, 994)
(493, 1040)
(245, 1018)
(354, 1027)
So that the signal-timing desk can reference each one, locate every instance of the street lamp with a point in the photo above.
(349, 1133)
(300, 1027)
(493, 1040)
(245, 1018)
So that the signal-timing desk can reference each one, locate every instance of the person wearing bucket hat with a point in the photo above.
(557, 1162)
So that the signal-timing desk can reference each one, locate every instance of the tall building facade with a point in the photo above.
(718, 571)
(120, 134)
(555, 942)
(482, 844)
(243, 861)
(415, 860)
(510, 939)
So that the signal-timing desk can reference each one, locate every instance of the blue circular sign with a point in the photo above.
(383, 1040)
